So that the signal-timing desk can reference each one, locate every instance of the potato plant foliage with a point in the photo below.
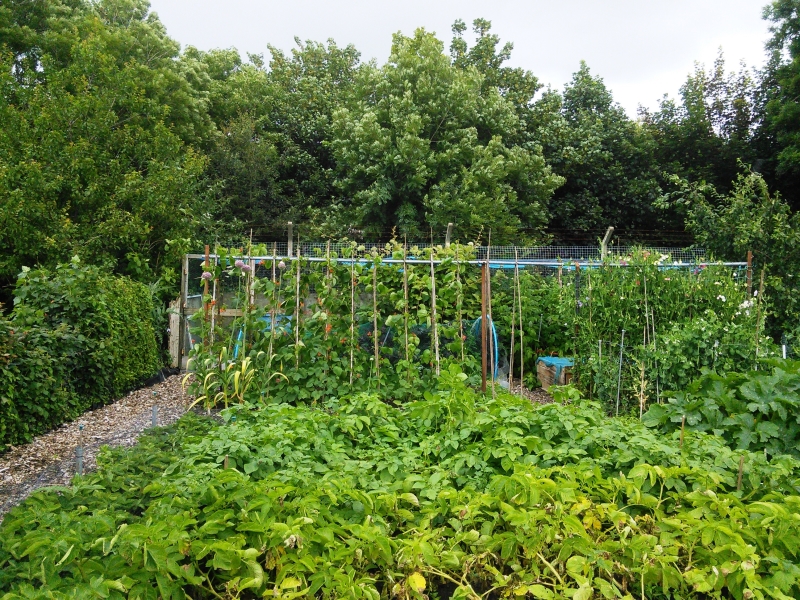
(455, 495)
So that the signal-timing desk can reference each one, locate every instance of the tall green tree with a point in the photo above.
(778, 137)
(424, 144)
(272, 158)
(95, 118)
(703, 136)
(608, 161)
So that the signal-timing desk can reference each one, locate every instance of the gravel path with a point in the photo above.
(50, 458)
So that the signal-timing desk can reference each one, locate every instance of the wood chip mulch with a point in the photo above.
(536, 395)
(50, 459)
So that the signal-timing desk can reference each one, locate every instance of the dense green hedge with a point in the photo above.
(76, 339)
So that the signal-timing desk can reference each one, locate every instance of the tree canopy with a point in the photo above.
(118, 145)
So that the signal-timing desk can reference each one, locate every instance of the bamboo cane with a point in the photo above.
(513, 325)
(521, 330)
(405, 307)
(459, 304)
(297, 312)
(352, 308)
(758, 314)
(206, 303)
(375, 334)
(484, 269)
(433, 311)
(273, 307)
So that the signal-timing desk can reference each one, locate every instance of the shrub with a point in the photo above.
(76, 339)
(34, 395)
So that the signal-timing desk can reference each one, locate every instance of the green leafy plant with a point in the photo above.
(754, 411)
(454, 495)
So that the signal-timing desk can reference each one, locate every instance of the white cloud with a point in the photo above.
(642, 48)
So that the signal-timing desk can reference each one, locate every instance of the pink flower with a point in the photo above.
(281, 265)
(239, 264)
(246, 268)
(206, 275)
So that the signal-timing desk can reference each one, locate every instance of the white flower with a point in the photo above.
(755, 293)
(746, 304)
(721, 297)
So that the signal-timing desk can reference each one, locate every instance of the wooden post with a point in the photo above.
(484, 270)
(447, 236)
(749, 273)
(290, 239)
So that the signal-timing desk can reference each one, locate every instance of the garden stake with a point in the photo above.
(352, 307)
(205, 296)
(459, 304)
(741, 472)
(619, 373)
(155, 416)
(79, 451)
(758, 314)
(539, 337)
(513, 324)
(405, 308)
(214, 297)
(225, 462)
(273, 306)
(683, 427)
(484, 269)
(489, 303)
(655, 357)
(599, 365)
(375, 319)
(749, 274)
(646, 312)
(641, 388)
(433, 310)
(521, 331)
(297, 312)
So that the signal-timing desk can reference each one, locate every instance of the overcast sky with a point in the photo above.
(642, 48)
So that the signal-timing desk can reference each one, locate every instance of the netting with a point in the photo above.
(525, 253)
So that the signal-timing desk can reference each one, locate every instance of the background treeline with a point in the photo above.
(117, 146)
